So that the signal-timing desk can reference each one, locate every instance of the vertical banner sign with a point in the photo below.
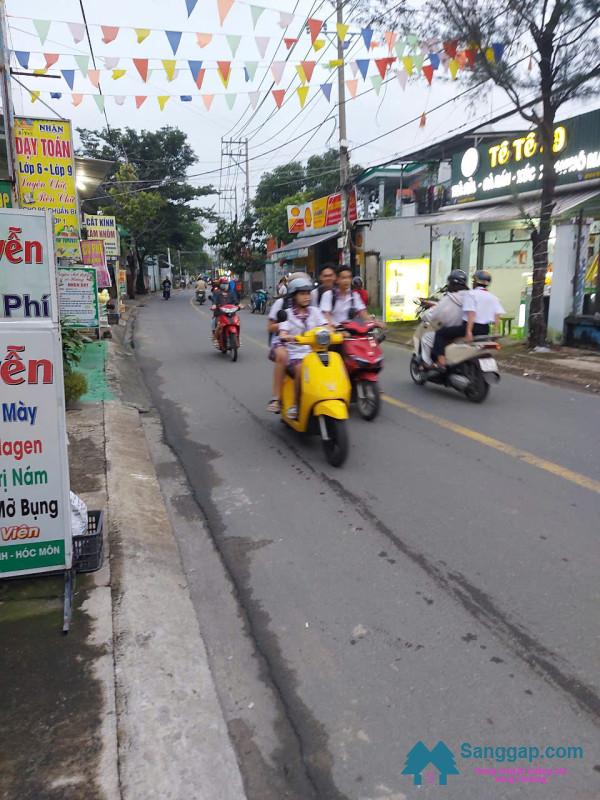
(27, 285)
(104, 227)
(46, 175)
(405, 281)
(34, 469)
(92, 255)
(78, 297)
(5, 195)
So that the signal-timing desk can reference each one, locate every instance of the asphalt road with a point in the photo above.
(442, 585)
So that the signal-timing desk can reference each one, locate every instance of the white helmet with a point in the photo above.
(299, 285)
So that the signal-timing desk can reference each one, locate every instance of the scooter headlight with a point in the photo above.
(323, 338)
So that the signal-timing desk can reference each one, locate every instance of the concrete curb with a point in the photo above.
(173, 739)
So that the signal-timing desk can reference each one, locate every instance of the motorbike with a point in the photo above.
(324, 395)
(470, 366)
(200, 296)
(363, 359)
(166, 292)
(227, 332)
(258, 301)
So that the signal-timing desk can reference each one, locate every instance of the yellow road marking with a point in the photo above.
(481, 438)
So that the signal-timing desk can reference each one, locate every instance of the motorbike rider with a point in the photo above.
(342, 303)
(327, 276)
(166, 284)
(301, 317)
(447, 313)
(222, 297)
(480, 309)
(201, 284)
(357, 286)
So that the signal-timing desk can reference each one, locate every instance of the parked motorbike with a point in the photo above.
(227, 332)
(200, 296)
(363, 358)
(470, 366)
(258, 301)
(324, 395)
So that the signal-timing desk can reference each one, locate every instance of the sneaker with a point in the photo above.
(274, 406)
(292, 413)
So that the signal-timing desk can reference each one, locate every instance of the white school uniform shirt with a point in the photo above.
(343, 303)
(485, 305)
(294, 325)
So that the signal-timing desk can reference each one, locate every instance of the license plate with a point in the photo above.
(488, 365)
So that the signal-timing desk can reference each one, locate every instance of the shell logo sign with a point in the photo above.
(320, 213)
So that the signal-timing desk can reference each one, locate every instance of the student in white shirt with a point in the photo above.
(481, 309)
(345, 303)
(327, 276)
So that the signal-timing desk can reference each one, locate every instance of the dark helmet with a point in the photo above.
(457, 280)
(482, 278)
(357, 282)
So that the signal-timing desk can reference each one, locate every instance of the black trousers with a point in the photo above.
(446, 335)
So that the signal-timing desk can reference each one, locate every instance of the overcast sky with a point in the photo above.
(269, 130)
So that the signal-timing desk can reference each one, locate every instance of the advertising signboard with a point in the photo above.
(35, 528)
(5, 195)
(104, 227)
(509, 166)
(406, 280)
(78, 296)
(27, 287)
(46, 176)
(92, 255)
(320, 213)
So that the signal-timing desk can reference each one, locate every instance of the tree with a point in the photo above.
(563, 39)
(279, 183)
(272, 219)
(240, 244)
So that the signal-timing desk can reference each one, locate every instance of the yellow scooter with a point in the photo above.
(324, 394)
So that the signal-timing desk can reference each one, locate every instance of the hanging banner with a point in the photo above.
(102, 226)
(320, 213)
(78, 297)
(46, 175)
(35, 525)
(406, 280)
(27, 286)
(92, 255)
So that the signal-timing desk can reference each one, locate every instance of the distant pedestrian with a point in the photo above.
(358, 287)
(282, 287)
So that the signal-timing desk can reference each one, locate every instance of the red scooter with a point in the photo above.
(227, 332)
(363, 358)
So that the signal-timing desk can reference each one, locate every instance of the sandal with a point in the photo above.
(292, 413)
(274, 406)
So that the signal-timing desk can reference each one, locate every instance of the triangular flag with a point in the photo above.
(99, 102)
(462, 59)
(377, 82)
(363, 66)
(428, 72)
(141, 64)
(453, 65)
(77, 31)
(118, 73)
(190, 5)
(34, 94)
(39, 71)
(250, 67)
(470, 55)
(412, 40)
(51, 58)
(69, 76)
(224, 71)
(367, 35)
(352, 87)
(390, 39)
(319, 44)
(234, 43)
(224, 7)
(326, 89)
(23, 58)
(256, 12)
(169, 65)
(140, 99)
(423, 120)
(336, 62)
(76, 98)
(42, 26)
(203, 39)
(162, 100)
(174, 38)
(342, 30)
(109, 33)
(195, 69)
(402, 78)
(230, 100)
(314, 26)
(142, 34)
(111, 62)
(301, 73)
(207, 99)
(400, 48)
(83, 64)
(434, 60)
(451, 47)
(120, 99)
(277, 68)
(489, 54)
(185, 98)
(309, 68)
(354, 69)
(94, 77)
(262, 42)
(278, 95)
(418, 60)
(383, 64)
(253, 97)
(56, 95)
(498, 49)
(302, 94)
(289, 43)
(285, 19)
(408, 64)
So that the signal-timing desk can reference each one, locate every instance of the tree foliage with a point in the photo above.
(240, 244)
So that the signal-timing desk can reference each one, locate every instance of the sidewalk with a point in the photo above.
(124, 707)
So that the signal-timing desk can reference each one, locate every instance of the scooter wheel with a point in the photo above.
(415, 373)
(336, 446)
(233, 347)
(478, 388)
(368, 400)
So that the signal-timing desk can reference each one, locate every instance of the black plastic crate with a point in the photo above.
(88, 549)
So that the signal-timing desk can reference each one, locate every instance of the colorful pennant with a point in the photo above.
(326, 89)
(285, 19)
(111, 62)
(400, 48)
(314, 26)
(230, 100)
(408, 64)
(118, 73)
(319, 44)
(253, 97)
(278, 96)
(142, 34)
(35, 93)
(109, 33)
(77, 31)
(162, 101)
(363, 67)
(250, 67)
(428, 72)
(302, 92)
(383, 64)
(69, 76)
(207, 99)
(42, 27)
(277, 69)
(377, 83)
(402, 79)
(256, 13)
(94, 77)
(390, 38)
(224, 72)
(342, 30)
(141, 64)
(190, 5)
(83, 63)
(262, 43)
(169, 66)
(308, 68)
(204, 39)
(51, 59)
(224, 7)
(22, 57)
(76, 99)
(99, 100)
(140, 99)
(367, 35)
(234, 43)
(289, 43)
(352, 86)
(174, 38)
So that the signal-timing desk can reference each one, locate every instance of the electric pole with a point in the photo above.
(344, 160)
(7, 105)
(234, 156)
